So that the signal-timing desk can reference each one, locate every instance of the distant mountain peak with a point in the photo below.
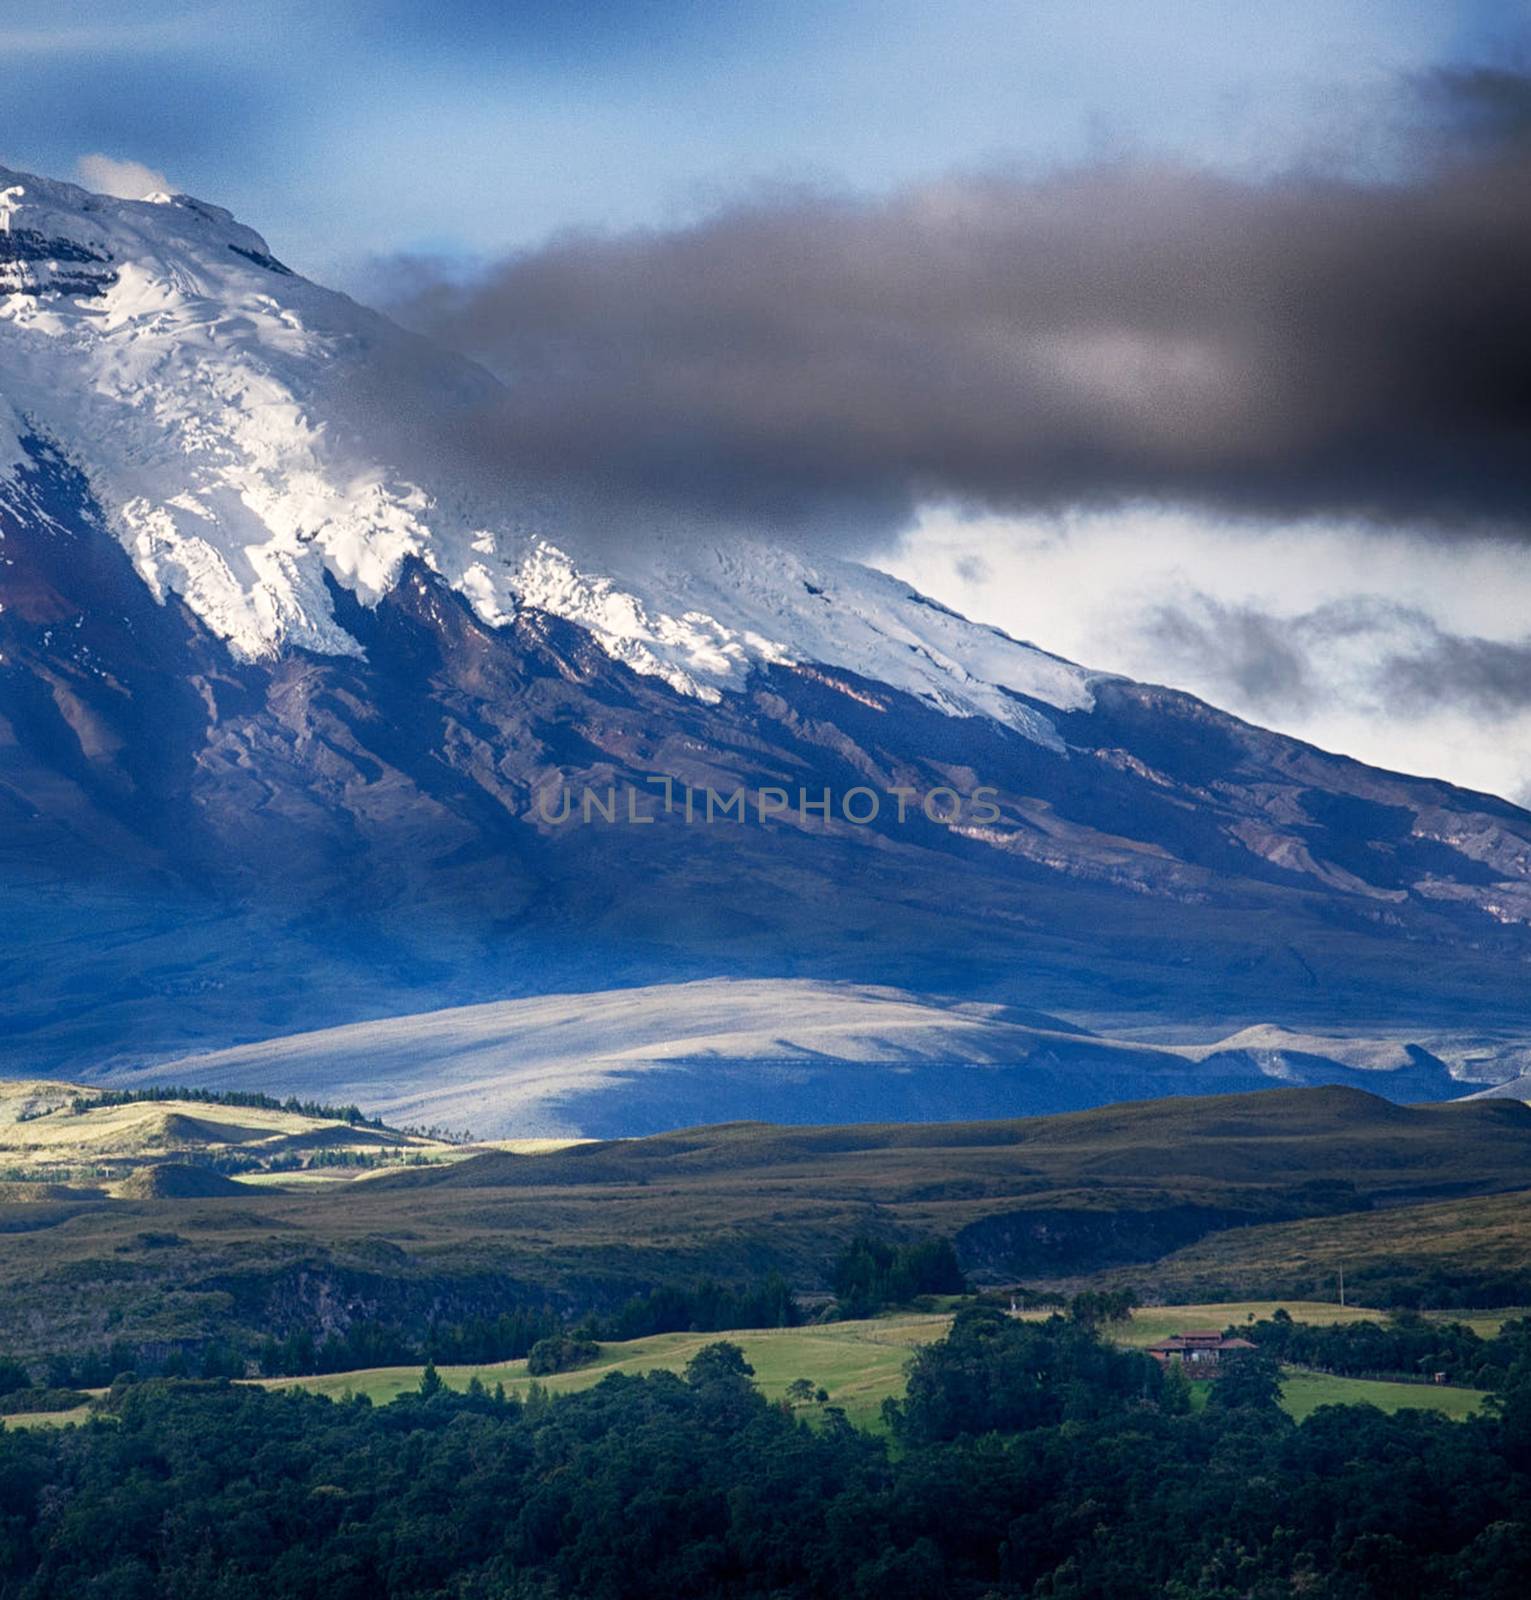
(153, 228)
(252, 437)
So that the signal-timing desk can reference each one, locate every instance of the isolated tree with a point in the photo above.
(720, 1378)
(800, 1391)
(562, 1353)
(1252, 1380)
(430, 1382)
(719, 1362)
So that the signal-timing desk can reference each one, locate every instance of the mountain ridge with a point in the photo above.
(210, 842)
(251, 479)
(640, 1060)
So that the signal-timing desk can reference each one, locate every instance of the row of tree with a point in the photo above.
(242, 1099)
(1407, 1345)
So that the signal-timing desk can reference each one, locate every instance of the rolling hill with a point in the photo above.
(645, 1059)
(1464, 1251)
(58, 1132)
(171, 1180)
(1051, 1199)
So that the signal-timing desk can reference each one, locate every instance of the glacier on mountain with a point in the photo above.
(253, 437)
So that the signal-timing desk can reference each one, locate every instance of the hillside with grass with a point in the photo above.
(63, 1133)
(431, 1256)
(1470, 1251)
(855, 1366)
(851, 1367)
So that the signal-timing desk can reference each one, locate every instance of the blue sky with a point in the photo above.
(469, 127)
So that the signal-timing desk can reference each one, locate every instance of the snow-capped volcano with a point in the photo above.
(248, 433)
(285, 673)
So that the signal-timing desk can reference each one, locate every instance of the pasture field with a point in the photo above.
(48, 1419)
(1302, 1393)
(1486, 1324)
(858, 1363)
(1150, 1324)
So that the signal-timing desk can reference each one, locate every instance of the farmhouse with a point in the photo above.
(1203, 1351)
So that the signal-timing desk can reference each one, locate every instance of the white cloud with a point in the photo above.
(1317, 621)
(126, 180)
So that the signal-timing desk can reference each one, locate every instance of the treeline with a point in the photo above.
(85, 1370)
(705, 1307)
(473, 1341)
(1393, 1285)
(365, 1343)
(1407, 1345)
(363, 1160)
(871, 1275)
(709, 1307)
(241, 1099)
(1032, 1463)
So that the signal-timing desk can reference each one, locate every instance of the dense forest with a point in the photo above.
(1028, 1459)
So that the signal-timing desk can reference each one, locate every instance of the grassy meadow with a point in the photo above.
(1302, 1393)
(861, 1364)
(48, 1419)
(858, 1363)
(1150, 1324)
(64, 1133)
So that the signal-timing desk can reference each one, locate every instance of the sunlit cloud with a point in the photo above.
(126, 180)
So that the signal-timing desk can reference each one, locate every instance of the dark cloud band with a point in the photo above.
(1290, 348)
